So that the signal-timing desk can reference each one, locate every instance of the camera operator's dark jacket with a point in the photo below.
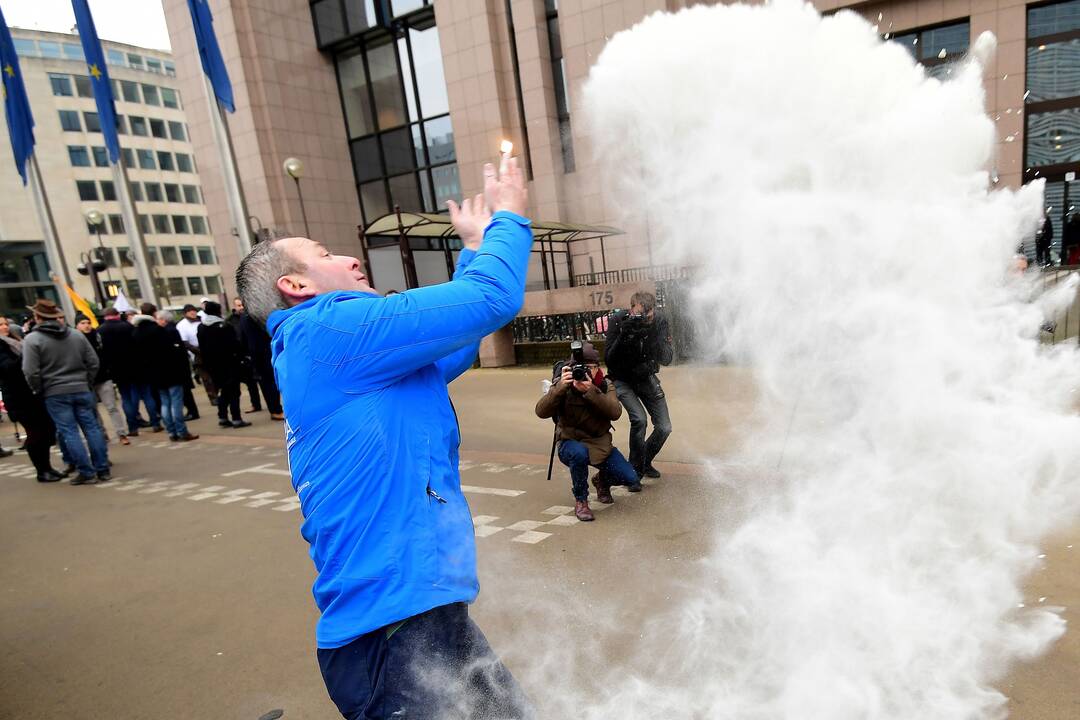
(585, 417)
(635, 350)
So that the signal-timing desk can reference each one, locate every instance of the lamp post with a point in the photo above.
(91, 266)
(295, 169)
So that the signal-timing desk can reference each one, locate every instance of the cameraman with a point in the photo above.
(638, 343)
(584, 405)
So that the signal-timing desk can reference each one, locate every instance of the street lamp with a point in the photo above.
(295, 169)
(91, 266)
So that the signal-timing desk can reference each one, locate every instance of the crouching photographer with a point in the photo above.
(584, 405)
(638, 343)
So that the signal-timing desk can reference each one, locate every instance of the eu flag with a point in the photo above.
(210, 52)
(16, 104)
(99, 76)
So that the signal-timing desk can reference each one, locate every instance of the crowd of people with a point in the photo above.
(140, 367)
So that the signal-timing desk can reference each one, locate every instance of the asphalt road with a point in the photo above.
(182, 589)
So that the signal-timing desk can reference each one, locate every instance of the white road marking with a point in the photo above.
(525, 525)
(232, 496)
(287, 505)
(531, 537)
(466, 465)
(156, 487)
(484, 519)
(557, 510)
(132, 485)
(207, 492)
(563, 520)
(261, 499)
(495, 467)
(182, 489)
(491, 491)
(486, 530)
(264, 469)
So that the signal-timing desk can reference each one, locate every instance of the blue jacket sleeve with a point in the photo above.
(377, 341)
(456, 363)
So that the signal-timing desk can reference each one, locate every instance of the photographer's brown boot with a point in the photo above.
(603, 488)
(582, 511)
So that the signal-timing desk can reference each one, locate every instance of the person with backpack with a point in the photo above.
(584, 404)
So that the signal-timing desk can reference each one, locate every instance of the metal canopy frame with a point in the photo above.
(432, 226)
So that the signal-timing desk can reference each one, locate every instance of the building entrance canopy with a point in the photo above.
(436, 229)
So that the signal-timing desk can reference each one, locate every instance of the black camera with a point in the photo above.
(577, 362)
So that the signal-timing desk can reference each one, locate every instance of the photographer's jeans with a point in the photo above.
(70, 413)
(172, 410)
(640, 398)
(575, 456)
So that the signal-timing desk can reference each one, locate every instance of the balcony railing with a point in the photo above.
(638, 274)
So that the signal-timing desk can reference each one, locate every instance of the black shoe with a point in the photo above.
(143, 423)
(189, 417)
(157, 429)
(6, 453)
(174, 438)
(241, 423)
(70, 469)
(49, 476)
(636, 487)
(104, 477)
(133, 433)
(224, 423)
(651, 472)
(83, 480)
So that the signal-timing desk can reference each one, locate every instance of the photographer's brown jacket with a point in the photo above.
(586, 418)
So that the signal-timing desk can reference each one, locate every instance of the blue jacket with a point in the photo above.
(373, 439)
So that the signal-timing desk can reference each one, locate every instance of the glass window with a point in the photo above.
(161, 224)
(153, 192)
(360, 15)
(206, 253)
(329, 21)
(153, 256)
(427, 59)
(121, 125)
(1053, 19)
(198, 227)
(165, 160)
(373, 200)
(135, 61)
(108, 190)
(129, 91)
(133, 288)
(83, 88)
(951, 39)
(146, 159)
(144, 224)
(405, 192)
(92, 122)
(170, 69)
(398, 151)
(23, 262)
(213, 287)
(1052, 71)
(172, 192)
(136, 192)
(195, 285)
(69, 121)
(405, 6)
(107, 255)
(354, 94)
(138, 126)
(101, 156)
(1053, 137)
(191, 194)
(126, 259)
(365, 156)
(386, 83)
(116, 223)
(79, 156)
(180, 226)
(176, 130)
(157, 129)
(447, 184)
(129, 157)
(176, 286)
(169, 255)
(49, 49)
(407, 74)
(187, 255)
(153, 65)
(61, 85)
(170, 98)
(440, 140)
(114, 57)
(150, 95)
(25, 48)
(87, 189)
(184, 163)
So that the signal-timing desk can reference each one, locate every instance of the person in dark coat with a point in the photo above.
(172, 371)
(103, 383)
(1070, 240)
(128, 370)
(26, 408)
(248, 376)
(257, 342)
(221, 358)
(1044, 238)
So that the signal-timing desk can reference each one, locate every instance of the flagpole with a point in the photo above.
(53, 251)
(234, 191)
(135, 237)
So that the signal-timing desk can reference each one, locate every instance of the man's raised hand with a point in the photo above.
(506, 189)
(469, 220)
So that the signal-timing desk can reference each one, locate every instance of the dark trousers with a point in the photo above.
(639, 398)
(253, 394)
(130, 395)
(189, 403)
(40, 437)
(1042, 254)
(270, 390)
(575, 456)
(436, 666)
(229, 400)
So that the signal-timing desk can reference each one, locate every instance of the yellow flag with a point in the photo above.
(82, 306)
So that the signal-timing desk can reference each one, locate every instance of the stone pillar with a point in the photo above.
(497, 349)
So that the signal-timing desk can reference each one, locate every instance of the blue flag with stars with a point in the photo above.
(20, 122)
(210, 52)
(99, 77)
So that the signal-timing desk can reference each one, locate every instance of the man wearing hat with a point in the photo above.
(60, 365)
(584, 411)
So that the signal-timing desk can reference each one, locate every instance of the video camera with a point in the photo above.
(578, 367)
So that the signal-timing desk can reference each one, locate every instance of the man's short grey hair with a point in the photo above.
(258, 273)
(166, 315)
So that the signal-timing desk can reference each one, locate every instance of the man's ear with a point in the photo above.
(295, 288)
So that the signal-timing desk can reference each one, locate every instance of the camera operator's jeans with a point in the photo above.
(639, 398)
(575, 456)
(75, 412)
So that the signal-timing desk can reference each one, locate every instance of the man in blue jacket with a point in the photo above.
(373, 450)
